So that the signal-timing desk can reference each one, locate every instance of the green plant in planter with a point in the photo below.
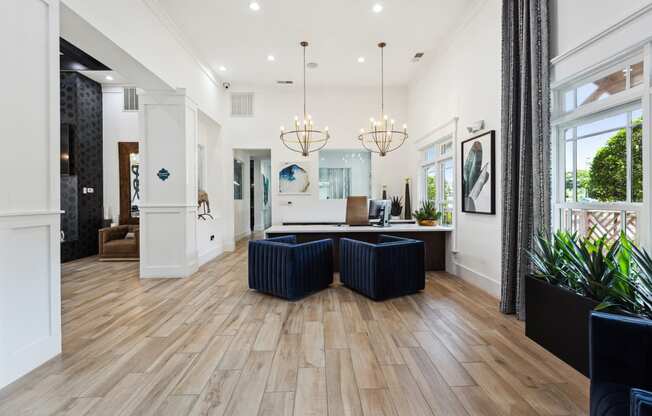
(427, 212)
(643, 286)
(618, 275)
(548, 260)
(397, 206)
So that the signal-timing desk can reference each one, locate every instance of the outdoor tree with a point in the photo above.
(607, 176)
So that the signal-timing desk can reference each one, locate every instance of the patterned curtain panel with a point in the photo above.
(525, 142)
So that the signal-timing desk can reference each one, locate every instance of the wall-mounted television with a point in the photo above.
(67, 149)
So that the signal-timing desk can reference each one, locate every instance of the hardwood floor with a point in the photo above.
(206, 345)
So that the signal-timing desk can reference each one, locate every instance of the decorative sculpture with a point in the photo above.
(204, 204)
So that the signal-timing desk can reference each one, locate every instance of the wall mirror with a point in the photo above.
(343, 173)
(129, 165)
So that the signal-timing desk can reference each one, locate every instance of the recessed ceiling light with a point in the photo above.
(312, 65)
(271, 58)
(108, 78)
(361, 60)
(254, 5)
(377, 8)
(222, 68)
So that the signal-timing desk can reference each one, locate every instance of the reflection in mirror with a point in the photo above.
(130, 189)
(343, 173)
(134, 182)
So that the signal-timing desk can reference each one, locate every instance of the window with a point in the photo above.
(623, 76)
(599, 154)
(343, 173)
(604, 159)
(237, 179)
(438, 175)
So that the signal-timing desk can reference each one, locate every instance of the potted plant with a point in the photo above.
(574, 275)
(427, 215)
(397, 207)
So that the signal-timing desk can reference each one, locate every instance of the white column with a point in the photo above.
(30, 295)
(168, 211)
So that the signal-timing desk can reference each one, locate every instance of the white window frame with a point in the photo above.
(597, 74)
(438, 164)
(627, 100)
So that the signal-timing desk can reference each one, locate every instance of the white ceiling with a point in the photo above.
(227, 33)
(100, 76)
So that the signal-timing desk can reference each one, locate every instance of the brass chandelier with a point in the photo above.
(382, 137)
(304, 138)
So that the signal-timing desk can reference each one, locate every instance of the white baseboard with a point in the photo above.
(478, 279)
(242, 235)
(29, 358)
(168, 272)
(229, 246)
(209, 255)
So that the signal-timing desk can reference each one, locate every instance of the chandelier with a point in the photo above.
(304, 138)
(382, 137)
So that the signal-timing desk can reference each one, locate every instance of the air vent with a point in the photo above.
(130, 100)
(285, 82)
(242, 104)
(417, 57)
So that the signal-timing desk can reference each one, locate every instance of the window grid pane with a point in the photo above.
(602, 88)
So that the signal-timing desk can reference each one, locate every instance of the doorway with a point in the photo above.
(252, 191)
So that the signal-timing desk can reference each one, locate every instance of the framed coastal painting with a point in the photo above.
(478, 174)
(294, 178)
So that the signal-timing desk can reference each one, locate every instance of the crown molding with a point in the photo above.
(167, 22)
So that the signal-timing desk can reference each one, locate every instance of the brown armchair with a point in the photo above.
(116, 244)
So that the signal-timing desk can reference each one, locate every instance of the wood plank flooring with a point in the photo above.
(207, 345)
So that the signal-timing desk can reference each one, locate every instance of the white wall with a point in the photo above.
(209, 137)
(463, 81)
(344, 111)
(117, 126)
(573, 22)
(30, 291)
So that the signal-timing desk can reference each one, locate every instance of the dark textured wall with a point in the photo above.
(81, 106)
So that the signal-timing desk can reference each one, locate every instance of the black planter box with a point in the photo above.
(558, 320)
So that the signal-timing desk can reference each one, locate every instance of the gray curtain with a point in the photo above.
(525, 142)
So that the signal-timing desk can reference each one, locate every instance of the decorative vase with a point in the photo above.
(408, 205)
(384, 192)
(428, 223)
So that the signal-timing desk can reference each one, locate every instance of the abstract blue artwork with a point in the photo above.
(294, 178)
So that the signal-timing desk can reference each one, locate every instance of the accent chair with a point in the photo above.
(620, 359)
(281, 267)
(393, 267)
(121, 242)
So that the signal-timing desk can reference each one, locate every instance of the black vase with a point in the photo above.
(408, 206)
(384, 194)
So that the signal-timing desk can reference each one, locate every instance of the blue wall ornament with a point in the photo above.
(163, 174)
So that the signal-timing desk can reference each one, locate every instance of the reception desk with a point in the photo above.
(433, 237)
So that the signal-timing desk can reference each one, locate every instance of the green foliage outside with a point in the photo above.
(431, 188)
(606, 179)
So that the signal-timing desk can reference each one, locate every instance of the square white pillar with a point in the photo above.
(168, 209)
